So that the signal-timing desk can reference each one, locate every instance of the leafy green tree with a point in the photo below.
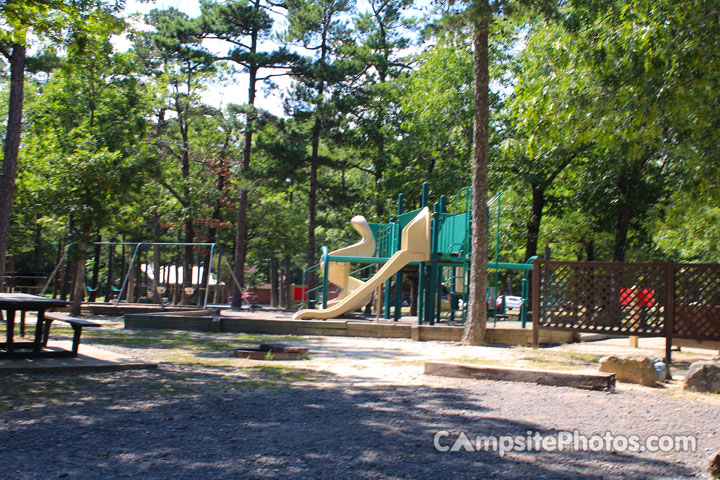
(62, 21)
(183, 69)
(636, 92)
(320, 28)
(482, 15)
(545, 132)
(438, 98)
(245, 26)
(85, 128)
(372, 112)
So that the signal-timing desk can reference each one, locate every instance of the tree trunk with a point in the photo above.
(533, 225)
(242, 226)
(288, 282)
(157, 280)
(626, 211)
(621, 232)
(110, 273)
(187, 262)
(37, 249)
(273, 280)
(312, 204)
(68, 270)
(79, 286)
(11, 149)
(590, 250)
(96, 269)
(123, 266)
(55, 282)
(475, 327)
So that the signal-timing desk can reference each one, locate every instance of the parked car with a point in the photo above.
(511, 302)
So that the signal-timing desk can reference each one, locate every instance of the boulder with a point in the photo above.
(715, 466)
(703, 376)
(631, 368)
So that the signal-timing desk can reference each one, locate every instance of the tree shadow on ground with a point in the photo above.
(214, 423)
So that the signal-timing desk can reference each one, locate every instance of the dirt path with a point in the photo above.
(359, 408)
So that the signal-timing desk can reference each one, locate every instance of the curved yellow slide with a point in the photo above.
(415, 247)
(339, 272)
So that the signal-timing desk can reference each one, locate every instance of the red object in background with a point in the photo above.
(249, 296)
(625, 296)
(298, 292)
(644, 297)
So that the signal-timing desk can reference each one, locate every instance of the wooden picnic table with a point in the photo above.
(23, 302)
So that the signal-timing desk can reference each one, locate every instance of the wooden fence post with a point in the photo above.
(669, 314)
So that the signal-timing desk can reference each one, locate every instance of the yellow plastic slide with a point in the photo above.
(415, 247)
(339, 272)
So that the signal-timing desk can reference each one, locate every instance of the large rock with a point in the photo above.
(715, 466)
(703, 376)
(631, 368)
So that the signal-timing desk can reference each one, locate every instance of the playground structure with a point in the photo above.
(414, 246)
(151, 275)
(438, 252)
(339, 272)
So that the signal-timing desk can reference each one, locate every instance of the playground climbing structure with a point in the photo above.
(438, 266)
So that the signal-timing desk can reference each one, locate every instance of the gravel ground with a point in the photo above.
(360, 408)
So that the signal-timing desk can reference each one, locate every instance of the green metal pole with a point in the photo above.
(326, 270)
(209, 267)
(388, 282)
(438, 270)
(130, 272)
(525, 291)
(422, 270)
(432, 277)
(398, 276)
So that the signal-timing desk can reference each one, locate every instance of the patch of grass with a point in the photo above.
(478, 360)
(585, 357)
(277, 375)
(554, 360)
(262, 338)
(551, 365)
(190, 359)
(180, 340)
(416, 362)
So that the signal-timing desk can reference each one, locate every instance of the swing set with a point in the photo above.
(149, 277)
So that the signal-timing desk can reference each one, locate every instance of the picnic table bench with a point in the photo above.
(77, 325)
(21, 302)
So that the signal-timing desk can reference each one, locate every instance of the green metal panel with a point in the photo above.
(405, 218)
(385, 238)
(455, 234)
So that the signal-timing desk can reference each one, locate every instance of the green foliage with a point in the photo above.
(84, 127)
(603, 123)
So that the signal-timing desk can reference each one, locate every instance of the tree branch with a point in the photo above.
(174, 193)
(273, 75)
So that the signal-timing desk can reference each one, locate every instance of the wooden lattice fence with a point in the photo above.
(671, 300)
